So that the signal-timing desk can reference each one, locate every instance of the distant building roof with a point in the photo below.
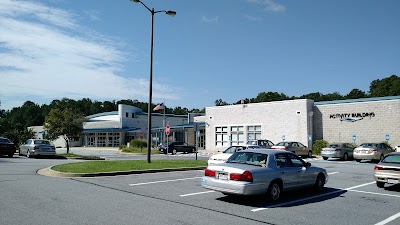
(357, 100)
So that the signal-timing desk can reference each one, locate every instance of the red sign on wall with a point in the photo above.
(167, 129)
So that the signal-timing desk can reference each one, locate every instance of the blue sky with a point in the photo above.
(212, 49)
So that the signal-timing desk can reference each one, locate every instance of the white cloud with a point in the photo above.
(269, 5)
(252, 18)
(41, 56)
(214, 19)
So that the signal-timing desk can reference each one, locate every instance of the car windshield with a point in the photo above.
(233, 149)
(251, 158)
(283, 144)
(369, 145)
(252, 142)
(392, 159)
(41, 142)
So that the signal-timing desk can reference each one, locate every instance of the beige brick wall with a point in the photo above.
(290, 118)
(385, 119)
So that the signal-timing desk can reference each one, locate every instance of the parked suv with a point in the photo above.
(177, 146)
(261, 143)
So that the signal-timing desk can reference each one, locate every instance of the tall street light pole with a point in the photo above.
(171, 13)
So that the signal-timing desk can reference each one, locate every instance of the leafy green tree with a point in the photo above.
(66, 123)
(316, 96)
(355, 94)
(332, 97)
(271, 96)
(389, 86)
(220, 102)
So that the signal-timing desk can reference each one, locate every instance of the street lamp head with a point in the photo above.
(171, 13)
(135, 0)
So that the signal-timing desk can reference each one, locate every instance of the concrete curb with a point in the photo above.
(52, 173)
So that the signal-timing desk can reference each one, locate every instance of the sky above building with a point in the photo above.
(211, 49)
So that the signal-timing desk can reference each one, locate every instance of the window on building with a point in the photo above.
(253, 132)
(237, 135)
(126, 114)
(133, 115)
(221, 136)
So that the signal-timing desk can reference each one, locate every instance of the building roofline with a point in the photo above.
(386, 98)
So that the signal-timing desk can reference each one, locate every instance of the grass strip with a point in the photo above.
(125, 165)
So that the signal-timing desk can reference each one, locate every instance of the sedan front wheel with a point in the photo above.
(319, 183)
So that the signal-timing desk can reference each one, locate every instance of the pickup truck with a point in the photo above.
(177, 146)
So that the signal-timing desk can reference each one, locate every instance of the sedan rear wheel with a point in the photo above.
(173, 151)
(358, 160)
(309, 154)
(345, 157)
(319, 183)
(28, 154)
(19, 153)
(380, 184)
(325, 158)
(274, 191)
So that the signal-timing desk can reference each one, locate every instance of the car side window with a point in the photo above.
(282, 161)
(294, 144)
(28, 142)
(296, 161)
(300, 145)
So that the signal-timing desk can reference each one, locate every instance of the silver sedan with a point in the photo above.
(343, 151)
(388, 170)
(37, 147)
(263, 172)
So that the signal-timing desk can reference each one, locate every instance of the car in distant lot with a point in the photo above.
(387, 171)
(293, 146)
(263, 172)
(261, 143)
(37, 147)
(7, 147)
(371, 151)
(222, 157)
(343, 151)
(397, 148)
(177, 146)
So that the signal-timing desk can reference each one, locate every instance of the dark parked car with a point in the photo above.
(7, 147)
(177, 146)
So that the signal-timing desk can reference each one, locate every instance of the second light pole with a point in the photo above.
(149, 109)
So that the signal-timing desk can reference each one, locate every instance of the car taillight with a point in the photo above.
(357, 151)
(209, 173)
(337, 150)
(374, 150)
(378, 168)
(245, 176)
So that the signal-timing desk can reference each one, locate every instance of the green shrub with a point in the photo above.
(318, 145)
(138, 143)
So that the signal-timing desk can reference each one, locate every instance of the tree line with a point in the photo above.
(389, 86)
(14, 122)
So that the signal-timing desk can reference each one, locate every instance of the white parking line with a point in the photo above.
(312, 197)
(345, 162)
(197, 193)
(332, 173)
(163, 181)
(389, 219)
(374, 193)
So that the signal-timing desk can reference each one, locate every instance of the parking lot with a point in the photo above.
(350, 197)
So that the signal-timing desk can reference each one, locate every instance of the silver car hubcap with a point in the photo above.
(275, 191)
